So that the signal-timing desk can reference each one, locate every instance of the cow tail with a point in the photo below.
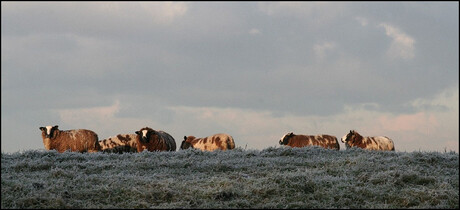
(98, 147)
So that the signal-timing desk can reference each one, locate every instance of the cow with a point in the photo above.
(119, 143)
(354, 139)
(152, 140)
(80, 140)
(219, 141)
(326, 141)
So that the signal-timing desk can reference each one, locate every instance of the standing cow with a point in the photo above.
(326, 141)
(80, 140)
(153, 140)
(220, 141)
(354, 139)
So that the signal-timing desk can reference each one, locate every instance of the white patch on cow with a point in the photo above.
(318, 138)
(114, 141)
(378, 143)
(308, 140)
(283, 137)
(370, 143)
(48, 129)
(287, 134)
(384, 142)
(73, 134)
(208, 146)
(144, 133)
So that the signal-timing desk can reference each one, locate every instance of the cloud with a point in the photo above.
(421, 122)
(165, 12)
(446, 100)
(254, 31)
(262, 128)
(109, 19)
(362, 20)
(316, 13)
(427, 128)
(89, 116)
(322, 72)
(103, 120)
(252, 128)
(402, 45)
(321, 50)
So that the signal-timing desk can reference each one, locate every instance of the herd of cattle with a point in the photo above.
(83, 140)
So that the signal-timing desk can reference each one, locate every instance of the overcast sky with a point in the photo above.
(254, 70)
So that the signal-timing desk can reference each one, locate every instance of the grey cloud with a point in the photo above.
(223, 62)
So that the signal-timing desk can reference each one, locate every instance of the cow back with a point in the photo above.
(219, 141)
(326, 141)
(167, 140)
(376, 143)
(79, 140)
(119, 143)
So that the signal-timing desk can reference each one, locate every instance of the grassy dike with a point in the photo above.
(270, 178)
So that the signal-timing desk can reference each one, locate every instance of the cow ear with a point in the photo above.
(55, 127)
(291, 133)
(185, 138)
(137, 132)
(42, 128)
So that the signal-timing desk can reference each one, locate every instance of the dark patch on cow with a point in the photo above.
(217, 141)
(154, 140)
(324, 140)
(119, 144)
(120, 149)
(186, 144)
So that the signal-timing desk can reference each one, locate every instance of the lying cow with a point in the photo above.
(220, 141)
(354, 139)
(326, 141)
(119, 143)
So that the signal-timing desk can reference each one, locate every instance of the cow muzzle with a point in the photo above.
(145, 139)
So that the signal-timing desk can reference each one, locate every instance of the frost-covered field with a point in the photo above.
(269, 178)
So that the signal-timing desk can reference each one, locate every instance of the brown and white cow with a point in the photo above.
(354, 139)
(220, 141)
(119, 143)
(152, 140)
(326, 141)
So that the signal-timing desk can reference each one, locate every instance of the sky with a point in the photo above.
(253, 70)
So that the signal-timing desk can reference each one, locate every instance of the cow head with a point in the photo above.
(144, 134)
(350, 136)
(49, 131)
(285, 139)
(186, 143)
